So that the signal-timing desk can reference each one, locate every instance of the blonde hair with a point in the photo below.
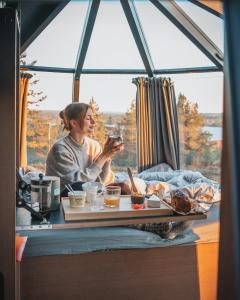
(73, 111)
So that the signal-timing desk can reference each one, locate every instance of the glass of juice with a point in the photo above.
(112, 196)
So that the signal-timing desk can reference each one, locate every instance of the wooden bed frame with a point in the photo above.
(183, 272)
(186, 272)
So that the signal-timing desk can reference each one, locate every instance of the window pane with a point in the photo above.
(210, 24)
(112, 44)
(58, 44)
(169, 47)
(200, 107)
(115, 96)
(44, 125)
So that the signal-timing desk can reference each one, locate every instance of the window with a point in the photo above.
(48, 94)
(169, 47)
(114, 100)
(199, 102)
(58, 44)
(112, 44)
(114, 96)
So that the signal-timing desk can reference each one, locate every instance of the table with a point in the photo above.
(57, 220)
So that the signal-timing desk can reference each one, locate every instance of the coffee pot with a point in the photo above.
(45, 193)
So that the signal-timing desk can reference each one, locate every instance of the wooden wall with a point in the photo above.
(8, 90)
(182, 272)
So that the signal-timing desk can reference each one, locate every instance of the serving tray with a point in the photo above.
(123, 211)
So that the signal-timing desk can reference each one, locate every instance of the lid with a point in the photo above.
(40, 180)
(77, 193)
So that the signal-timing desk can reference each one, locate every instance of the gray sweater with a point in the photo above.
(73, 162)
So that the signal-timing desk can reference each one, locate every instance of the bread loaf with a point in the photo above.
(180, 201)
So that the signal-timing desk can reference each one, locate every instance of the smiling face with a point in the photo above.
(88, 123)
(85, 126)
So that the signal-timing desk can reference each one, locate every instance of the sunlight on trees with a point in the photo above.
(197, 151)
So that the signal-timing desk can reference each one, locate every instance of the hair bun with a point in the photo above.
(61, 114)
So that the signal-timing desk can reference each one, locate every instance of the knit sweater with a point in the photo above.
(73, 162)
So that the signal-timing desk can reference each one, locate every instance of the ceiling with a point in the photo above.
(35, 16)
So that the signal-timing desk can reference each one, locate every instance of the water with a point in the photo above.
(215, 131)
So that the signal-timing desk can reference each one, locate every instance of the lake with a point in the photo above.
(215, 131)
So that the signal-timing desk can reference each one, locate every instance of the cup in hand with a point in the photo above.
(112, 196)
(77, 198)
(116, 138)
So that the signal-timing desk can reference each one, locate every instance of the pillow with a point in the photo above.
(122, 180)
(140, 185)
(163, 167)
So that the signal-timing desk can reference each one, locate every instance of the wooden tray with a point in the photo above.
(123, 211)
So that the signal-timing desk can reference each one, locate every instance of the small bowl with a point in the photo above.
(77, 199)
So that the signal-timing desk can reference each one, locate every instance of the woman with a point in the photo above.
(76, 158)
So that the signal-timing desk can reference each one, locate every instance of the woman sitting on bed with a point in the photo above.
(76, 158)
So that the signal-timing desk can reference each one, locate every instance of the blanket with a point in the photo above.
(205, 191)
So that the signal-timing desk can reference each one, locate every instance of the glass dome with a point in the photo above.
(112, 45)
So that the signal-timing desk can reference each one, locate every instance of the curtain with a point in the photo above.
(22, 117)
(157, 123)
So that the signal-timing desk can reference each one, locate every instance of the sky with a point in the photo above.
(112, 46)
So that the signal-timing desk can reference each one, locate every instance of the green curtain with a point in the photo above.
(157, 123)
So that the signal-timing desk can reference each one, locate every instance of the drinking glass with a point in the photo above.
(77, 198)
(97, 202)
(112, 196)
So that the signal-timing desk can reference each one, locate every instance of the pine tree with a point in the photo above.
(196, 142)
(128, 128)
(100, 130)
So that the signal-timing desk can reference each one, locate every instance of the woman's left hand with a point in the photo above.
(117, 149)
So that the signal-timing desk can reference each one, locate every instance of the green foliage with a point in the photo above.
(100, 130)
(198, 152)
(191, 121)
(128, 128)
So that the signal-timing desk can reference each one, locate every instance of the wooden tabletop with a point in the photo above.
(125, 215)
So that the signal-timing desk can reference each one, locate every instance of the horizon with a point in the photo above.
(113, 112)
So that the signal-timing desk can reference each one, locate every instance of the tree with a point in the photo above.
(191, 123)
(34, 96)
(197, 148)
(127, 126)
(37, 130)
(100, 130)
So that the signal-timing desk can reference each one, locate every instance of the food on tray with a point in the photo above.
(153, 202)
(157, 187)
(137, 200)
(180, 201)
(77, 198)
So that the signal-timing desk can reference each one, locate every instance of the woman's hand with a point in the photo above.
(111, 148)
